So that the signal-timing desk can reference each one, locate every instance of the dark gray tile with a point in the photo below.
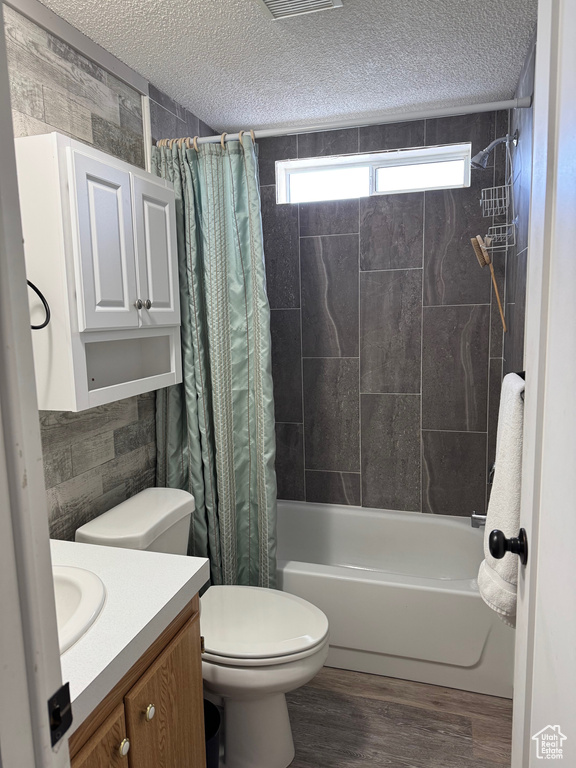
(329, 296)
(452, 273)
(331, 414)
(501, 128)
(192, 124)
(391, 452)
(322, 143)
(479, 129)
(514, 339)
(374, 138)
(286, 366)
(455, 368)
(496, 328)
(204, 129)
(272, 149)
(391, 231)
(333, 487)
(118, 141)
(523, 122)
(332, 217)
(454, 473)
(162, 99)
(495, 386)
(390, 331)
(281, 250)
(290, 461)
(164, 124)
(522, 189)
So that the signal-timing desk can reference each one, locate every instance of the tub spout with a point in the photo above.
(477, 520)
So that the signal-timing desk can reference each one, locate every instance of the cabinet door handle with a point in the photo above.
(147, 303)
(124, 747)
(138, 303)
(150, 712)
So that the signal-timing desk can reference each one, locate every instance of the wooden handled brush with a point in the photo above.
(484, 259)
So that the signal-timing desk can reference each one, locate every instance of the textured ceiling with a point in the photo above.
(235, 68)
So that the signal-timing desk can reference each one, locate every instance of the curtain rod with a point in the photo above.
(493, 106)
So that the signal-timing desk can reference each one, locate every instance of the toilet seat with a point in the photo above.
(250, 626)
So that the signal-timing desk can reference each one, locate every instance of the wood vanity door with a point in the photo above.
(174, 737)
(102, 750)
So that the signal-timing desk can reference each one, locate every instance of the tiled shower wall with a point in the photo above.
(387, 343)
(520, 120)
(96, 458)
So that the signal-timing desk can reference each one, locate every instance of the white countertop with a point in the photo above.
(145, 591)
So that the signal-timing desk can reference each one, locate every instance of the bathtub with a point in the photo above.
(399, 590)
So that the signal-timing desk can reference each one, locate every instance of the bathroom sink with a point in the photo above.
(80, 597)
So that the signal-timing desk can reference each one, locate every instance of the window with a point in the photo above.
(383, 173)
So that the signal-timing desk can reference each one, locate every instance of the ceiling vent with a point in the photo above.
(282, 9)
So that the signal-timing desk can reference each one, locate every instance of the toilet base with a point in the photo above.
(258, 732)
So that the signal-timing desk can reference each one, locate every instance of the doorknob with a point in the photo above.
(499, 545)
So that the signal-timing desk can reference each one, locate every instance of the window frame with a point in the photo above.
(375, 160)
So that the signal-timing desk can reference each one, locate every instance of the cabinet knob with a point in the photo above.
(124, 747)
(147, 303)
(150, 712)
(138, 303)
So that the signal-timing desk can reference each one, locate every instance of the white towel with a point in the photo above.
(498, 579)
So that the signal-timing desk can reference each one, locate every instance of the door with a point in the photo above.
(165, 711)
(107, 290)
(156, 252)
(545, 670)
(30, 670)
(108, 747)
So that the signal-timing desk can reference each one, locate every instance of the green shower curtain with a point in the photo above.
(215, 431)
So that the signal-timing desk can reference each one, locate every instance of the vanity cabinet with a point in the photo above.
(157, 708)
(104, 749)
(174, 736)
(100, 244)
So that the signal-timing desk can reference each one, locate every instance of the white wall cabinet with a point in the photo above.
(100, 243)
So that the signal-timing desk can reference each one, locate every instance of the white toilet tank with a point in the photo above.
(157, 519)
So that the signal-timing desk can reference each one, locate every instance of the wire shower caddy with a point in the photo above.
(497, 202)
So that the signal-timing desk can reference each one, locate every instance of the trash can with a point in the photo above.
(212, 734)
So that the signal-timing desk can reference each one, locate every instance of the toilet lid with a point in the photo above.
(252, 622)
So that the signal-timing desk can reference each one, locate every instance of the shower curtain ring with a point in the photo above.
(188, 143)
(222, 139)
(253, 135)
(240, 134)
(195, 143)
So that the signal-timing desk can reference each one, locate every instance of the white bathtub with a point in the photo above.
(399, 590)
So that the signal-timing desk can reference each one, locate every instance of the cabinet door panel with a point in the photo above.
(102, 750)
(106, 245)
(156, 252)
(174, 738)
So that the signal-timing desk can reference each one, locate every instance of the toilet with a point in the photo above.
(259, 643)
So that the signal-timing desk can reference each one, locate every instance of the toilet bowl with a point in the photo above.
(259, 645)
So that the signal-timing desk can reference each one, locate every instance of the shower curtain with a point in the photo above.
(215, 431)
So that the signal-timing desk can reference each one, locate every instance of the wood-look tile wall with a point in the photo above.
(386, 340)
(94, 459)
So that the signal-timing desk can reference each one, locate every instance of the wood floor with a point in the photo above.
(350, 720)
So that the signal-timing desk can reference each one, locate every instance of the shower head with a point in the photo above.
(480, 160)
